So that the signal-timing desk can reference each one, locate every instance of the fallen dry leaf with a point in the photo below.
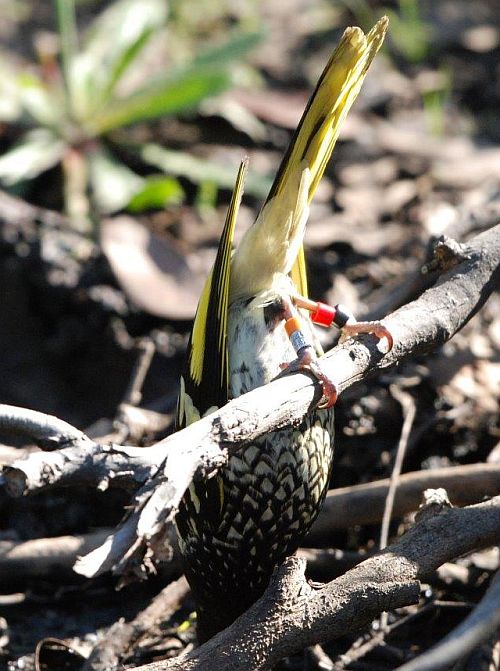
(154, 275)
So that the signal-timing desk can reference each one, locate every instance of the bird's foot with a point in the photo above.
(377, 328)
(326, 316)
(307, 358)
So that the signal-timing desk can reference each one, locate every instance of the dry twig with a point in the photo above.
(364, 504)
(202, 448)
(293, 614)
(409, 411)
(124, 636)
(482, 623)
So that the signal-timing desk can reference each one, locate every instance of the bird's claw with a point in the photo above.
(330, 392)
(353, 328)
(326, 315)
(307, 360)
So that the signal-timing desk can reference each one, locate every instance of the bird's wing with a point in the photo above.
(205, 383)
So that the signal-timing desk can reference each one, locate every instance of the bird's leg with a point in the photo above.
(326, 316)
(306, 353)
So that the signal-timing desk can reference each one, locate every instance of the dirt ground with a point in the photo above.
(419, 157)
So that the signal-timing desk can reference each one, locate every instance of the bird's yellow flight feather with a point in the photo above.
(284, 214)
(206, 382)
(273, 244)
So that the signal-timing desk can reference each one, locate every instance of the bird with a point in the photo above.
(253, 322)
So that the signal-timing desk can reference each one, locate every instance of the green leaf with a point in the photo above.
(68, 35)
(202, 170)
(229, 52)
(114, 42)
(409, 33)
(181, 91)
(10, 103)
(120, 26)
(122, 63)
(37, 151)
(117, 37)
(43, 105)
(112, 183)
(158, 192)
(168, 96)
(206, 195)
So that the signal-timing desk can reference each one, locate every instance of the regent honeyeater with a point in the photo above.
(254, 319)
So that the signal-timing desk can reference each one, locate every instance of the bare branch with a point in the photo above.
(48, 431)
(44, 557)
(85, 463)
(482, 623)
(293, 614)
(409, 410)
(54, 557)
(122, 637)
(364, 504)
(202, 448)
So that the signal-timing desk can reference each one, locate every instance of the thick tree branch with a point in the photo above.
(48, 431)
(345, 507)
(364, 504)
(202, 448)
(44, 557)
(85, 463)
(293, 614)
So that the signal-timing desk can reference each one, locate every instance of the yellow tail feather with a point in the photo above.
(273, 245)
(335, 92)
(277, 235)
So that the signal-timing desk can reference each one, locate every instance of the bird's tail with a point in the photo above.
(277, 235)
(336, 91)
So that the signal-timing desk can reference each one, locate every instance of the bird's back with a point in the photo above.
(259, 507)
(236, 527)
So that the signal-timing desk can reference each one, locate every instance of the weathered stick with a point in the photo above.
(122, 637)
(202, 448)
(293, 614)
(364, 504)
(44, 557)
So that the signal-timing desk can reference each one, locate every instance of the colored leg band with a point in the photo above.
(298, 341)
(342, 316)
(294, 331)
(324, 314)
(291, 325)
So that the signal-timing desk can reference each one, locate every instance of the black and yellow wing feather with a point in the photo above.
(204, 385)
(272, 246)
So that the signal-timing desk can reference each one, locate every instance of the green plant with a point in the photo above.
(410, 34)
(435, 96)
(77, 96)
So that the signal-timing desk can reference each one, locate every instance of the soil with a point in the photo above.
(419, 157)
